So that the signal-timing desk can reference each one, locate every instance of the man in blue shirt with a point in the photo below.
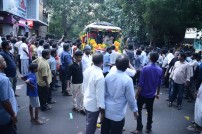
(66, 60)
(8, 104)
(10, 71)
(117, 96)
(149, 82)
(106, 61)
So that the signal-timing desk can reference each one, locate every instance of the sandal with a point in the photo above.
(148, 131)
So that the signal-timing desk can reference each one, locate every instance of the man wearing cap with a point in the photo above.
(75, 71)
(86, 59)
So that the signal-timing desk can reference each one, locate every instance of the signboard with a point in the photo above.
(16, 7)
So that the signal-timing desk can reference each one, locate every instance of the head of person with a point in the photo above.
(6, 46)
(154, 57)
(122, 63)
(138, 52)
(13, 41)
(2, 63)
(41, 42)
(46, 46)
(194, 56)
(109, 50)
(78, 45)
(53, 52)
(87, 49)
(182, 56)
(97, 59)
(66, 46)
(142, 47)
(78, 55)
(26, 23)
(46, 54)
(54, 45)
(113, 47)
(176, 53)
(130, 47)
(33, 67)
(171, 50)
(24, 39)
(36, 43)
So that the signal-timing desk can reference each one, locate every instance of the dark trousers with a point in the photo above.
(91, 121)
(49, 97)
(43, 94)
(170, 91)
(64, 81)
(149, 103)
(112, 127)
(178, 90)
(19, 64)
(9, 128)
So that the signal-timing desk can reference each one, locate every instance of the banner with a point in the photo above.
(16, 7)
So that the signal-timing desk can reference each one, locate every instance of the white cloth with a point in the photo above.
(18, 44)
(144, 58)
(193, 65)
(77, 96)
(93, 88)
(39, 51)
(198, 108)
(169, 56)
(113, 56)
(128, 71)
(181, 72)
(86, 61)
(23, 54)
(12, 49)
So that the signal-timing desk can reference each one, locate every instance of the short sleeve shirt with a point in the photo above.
(52, 62)
(6, 93)
(32, 78)
(43, 70)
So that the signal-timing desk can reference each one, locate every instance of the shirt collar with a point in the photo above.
(1, 73)
(96, 67)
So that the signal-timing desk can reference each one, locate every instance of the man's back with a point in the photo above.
(118, 91)
(150, 79)
(93, 87)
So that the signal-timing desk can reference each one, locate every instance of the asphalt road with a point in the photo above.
(58, 120)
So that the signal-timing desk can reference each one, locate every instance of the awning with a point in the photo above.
(38, 21)
(102, 26)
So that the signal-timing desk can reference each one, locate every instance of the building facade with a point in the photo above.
(22, 11)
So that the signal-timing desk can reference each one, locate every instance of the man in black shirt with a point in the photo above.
(75, 71)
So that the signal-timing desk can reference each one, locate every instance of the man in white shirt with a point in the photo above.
(40, 48)
(180, 74)
(86, 59)
(18, 44)
(93, 89)
(113, 55)
(143, 56)
(117, 96)
(24, 57)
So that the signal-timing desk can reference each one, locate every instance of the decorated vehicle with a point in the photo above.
(100, 35)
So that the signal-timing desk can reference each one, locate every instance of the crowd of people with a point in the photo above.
(101, 84)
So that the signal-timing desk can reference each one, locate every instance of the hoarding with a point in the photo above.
(16, 7)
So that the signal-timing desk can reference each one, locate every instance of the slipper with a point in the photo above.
(136, 132)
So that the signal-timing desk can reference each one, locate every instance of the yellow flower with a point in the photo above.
(117, 44)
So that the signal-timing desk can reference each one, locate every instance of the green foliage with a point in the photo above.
(161, 22)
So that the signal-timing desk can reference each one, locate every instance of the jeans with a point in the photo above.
(43, 96)
(149, 103)
(64, 80)
(91, 121)
(178, 90)
(112, 127)
(9, 128)
(13, 81)
(49, 97)
(170, 91)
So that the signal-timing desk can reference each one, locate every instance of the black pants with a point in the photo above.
(50, 92)
(19, 64)
(112, 127)
(149, 103)
(43, 96)
(9, 128)
(64, 81)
